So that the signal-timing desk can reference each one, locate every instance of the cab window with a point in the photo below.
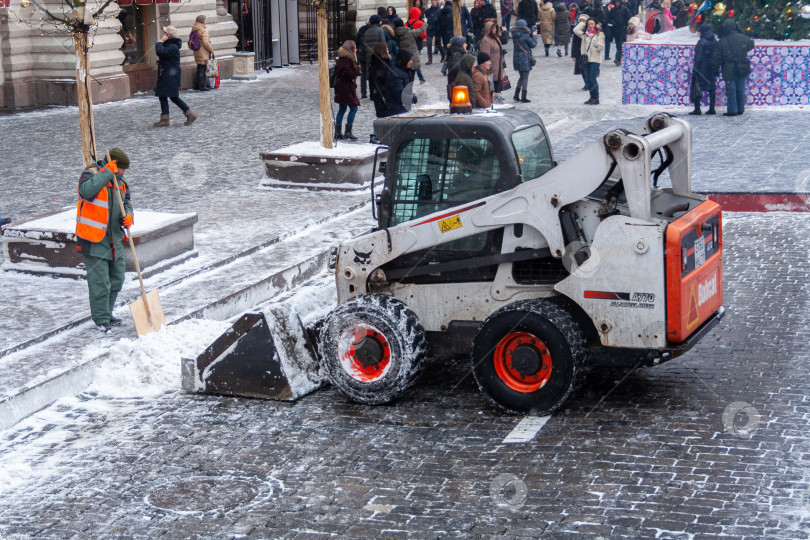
(534, 154)
(434, 174)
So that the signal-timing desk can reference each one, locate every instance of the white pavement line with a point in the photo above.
(552, 127)
(526, 429)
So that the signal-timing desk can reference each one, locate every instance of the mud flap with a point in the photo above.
(263, 355)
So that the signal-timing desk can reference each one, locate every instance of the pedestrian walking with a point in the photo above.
(361, 58)
(378, 72)
(593, 43)
(100, 234)
(546, 17)
(199, 43)
(619, 16)
(522, 59)
(528, 10)
(562, 28)
(168, 78)
(703, 77)
(730, 58)
(346, 73)
(492, 46)
(434, 42)
(406, 39)
(507, 10)
(480, 82)
(399, 77)
(372, 36)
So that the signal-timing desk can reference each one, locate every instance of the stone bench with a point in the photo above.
(46, 244)
(308, 165)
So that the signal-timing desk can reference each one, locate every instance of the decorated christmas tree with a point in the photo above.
(762, 19)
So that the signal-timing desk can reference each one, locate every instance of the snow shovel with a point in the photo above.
(146, 310)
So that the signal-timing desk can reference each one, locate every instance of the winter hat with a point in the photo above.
(397, 22)
(171, 31)
(120, 158)
(635, 21)
(521, 23)
(458, 41)
(200, 19)
(483, 57)
(375, 19)
(403, 57)
(704, 28)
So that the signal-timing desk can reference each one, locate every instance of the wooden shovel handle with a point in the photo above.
(131, 243)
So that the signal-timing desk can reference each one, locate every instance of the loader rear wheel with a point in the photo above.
(372, 348)
(527, 357)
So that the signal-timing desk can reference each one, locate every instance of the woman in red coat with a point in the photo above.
(346, 73)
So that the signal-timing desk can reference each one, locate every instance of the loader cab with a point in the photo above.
(439, 161)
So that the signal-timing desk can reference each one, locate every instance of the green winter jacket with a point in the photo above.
(464, 77)
(112, 246)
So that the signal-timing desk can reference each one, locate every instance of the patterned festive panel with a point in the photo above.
(659, 74)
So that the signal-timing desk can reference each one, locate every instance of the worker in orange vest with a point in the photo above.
(100, 234)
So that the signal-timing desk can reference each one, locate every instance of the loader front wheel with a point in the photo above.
(372, 348)
(527, 357)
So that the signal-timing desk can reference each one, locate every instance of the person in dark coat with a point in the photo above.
(730, 58)
(464, 75)
(562, 28)
(378, 72)
(346, 73)
(375, 34)
(398, 78)
(168, 79)
(445, 23)
(433, 41)
(524, 42)
(457, 49)
(618, 16)
(361, 58)
(576, 51)
(484, 12)
(528, 11)
(348, 30)
(703, 78)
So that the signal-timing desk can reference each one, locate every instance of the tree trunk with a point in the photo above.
(85, 98)
(457, 18)
(323, 82)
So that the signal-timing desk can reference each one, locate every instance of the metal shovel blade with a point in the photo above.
(150, 321)
(241, 362)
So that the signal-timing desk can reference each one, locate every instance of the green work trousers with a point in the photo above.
(104, 280)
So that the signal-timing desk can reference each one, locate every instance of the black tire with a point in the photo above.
(391, 348)
(548, 349)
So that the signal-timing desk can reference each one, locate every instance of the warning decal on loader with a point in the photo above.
(447, 225)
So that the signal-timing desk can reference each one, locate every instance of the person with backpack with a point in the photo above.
(731, 58)
(199, 43)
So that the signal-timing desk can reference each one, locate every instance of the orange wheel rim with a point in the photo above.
(364, 352)
(522, 362)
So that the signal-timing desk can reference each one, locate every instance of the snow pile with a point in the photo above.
(150, 365)
(684, 36)
(341, 150)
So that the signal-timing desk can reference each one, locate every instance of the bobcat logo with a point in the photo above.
(362, 259)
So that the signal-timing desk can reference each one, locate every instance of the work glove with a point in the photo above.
(126, 221)
(112, 166)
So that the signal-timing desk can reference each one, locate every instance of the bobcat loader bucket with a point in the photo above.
(263, 355)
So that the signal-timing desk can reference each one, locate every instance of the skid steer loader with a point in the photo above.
(486, 247)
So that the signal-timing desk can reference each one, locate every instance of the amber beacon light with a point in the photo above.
(461, 100)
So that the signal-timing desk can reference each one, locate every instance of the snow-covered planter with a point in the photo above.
(659, 71)
(310, 165)
(46, 244)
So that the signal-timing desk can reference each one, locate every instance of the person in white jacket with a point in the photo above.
(593, 43)
(635, 30)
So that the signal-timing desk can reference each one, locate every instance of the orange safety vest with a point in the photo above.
(92, 216)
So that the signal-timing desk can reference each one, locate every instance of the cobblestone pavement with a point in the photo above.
(655, 452)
